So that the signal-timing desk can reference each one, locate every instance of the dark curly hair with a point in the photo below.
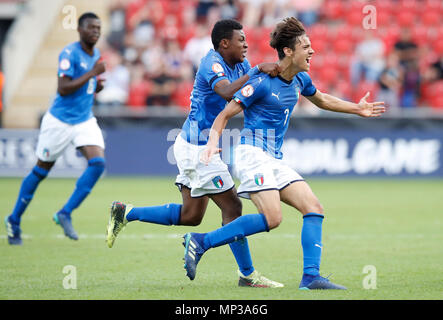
(224, 29)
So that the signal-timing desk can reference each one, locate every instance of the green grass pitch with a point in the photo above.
(396, 226)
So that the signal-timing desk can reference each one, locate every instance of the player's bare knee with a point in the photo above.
(190, 218)
(315, 207)
(273, 218)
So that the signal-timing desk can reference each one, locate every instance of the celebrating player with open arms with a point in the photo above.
(267, 104)
(221, 73)
(68, 120)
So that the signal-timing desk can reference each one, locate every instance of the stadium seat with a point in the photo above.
(328, 74)
(438, 47)
(344, 46)
(431, 18)
(354, 17)
(332, 9)
(406, 18)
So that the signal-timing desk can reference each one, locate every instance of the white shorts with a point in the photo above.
(259, 171)
(200, 178)
(56, 135)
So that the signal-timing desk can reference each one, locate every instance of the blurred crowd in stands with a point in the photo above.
(154, 48)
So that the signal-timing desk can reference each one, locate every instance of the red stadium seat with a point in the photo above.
(332, 9)
(344, 46)
(328, 74)
(318, 32)
(431, 18)
(438, 47)
(433, 5)
(420, 34)
(385, 6)
(354, 17)
(406, 18)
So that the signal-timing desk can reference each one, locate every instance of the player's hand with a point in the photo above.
(207, 153)
(100, 85)
(99, 67)
(370, 109)
(273, 69)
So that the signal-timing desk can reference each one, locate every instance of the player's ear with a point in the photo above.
(288, 51)
(224, 43)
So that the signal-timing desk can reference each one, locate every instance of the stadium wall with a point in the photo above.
(314, 146)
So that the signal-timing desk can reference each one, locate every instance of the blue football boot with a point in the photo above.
(310, 282)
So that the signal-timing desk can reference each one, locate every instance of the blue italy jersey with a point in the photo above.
(267, 105)
(205, 103)
(76, 107)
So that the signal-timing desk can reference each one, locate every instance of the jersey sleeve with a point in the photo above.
(246, 66)
(213, 72)
(308, 88)
(66, 63)
(254, 89)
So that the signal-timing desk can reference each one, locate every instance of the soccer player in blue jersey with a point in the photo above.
(221, 73)
(267, 104)
(68, 121)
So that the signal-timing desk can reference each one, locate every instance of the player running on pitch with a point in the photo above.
(68, 120)
(221, 73)
(267, 104)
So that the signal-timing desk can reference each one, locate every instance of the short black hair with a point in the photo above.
(86, 15)
(286, 34)
(224, 29)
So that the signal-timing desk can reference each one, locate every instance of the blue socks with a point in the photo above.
(84, 184)
(311, 235)
(240, 250)
(236, 230)
(26, 193)
(168, 214)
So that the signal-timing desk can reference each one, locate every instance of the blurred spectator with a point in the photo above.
(368, 60)
(197, 47)
(152, 57)
(407, 51)
(307, 10)
(275, 11)
(252, 11)
(228, 9)
(163, 87)
(173, 58)
(117, 25)
(435, 71)
(116, 86)
(202, 9)
(2, 81)
(390, 82)
(182, 94)
(405, 47)
(411, 85)
(139, 87)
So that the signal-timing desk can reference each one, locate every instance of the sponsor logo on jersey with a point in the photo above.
(217, 68)
(65, 64)
(247, 91)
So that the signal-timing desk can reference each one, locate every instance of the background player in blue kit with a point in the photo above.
(221, 73)
(267, 104)
(68, 120)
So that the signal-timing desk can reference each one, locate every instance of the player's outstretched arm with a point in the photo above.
(363, 108)
(67, 85)
(226, 89)
(219, 124)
